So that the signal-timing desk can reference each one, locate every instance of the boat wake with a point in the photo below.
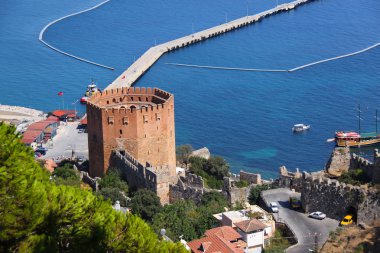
(276, 70)
(41, 36)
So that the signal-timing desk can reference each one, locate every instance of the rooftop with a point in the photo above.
(214, 244)
(130, 98)
(225, 232)
(249, 226)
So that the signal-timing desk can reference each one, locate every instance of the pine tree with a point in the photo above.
(39, 216)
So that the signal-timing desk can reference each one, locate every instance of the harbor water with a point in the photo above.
(243, 116)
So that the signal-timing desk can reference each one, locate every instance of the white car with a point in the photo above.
(317, 215)
(274, 207)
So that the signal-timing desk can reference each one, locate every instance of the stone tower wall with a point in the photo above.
(146, 132)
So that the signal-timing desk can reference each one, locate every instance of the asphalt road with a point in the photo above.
(69, 138)
(304, 227)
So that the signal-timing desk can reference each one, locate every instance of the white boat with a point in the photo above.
(91, 90)
(300, 127)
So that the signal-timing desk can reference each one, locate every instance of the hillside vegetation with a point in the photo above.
(38, 215)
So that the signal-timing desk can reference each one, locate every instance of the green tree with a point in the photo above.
(212, 170)
(66, 175)
(178, 219)
(254, 193)
(145, 204)
(113, 179)
(113, 187)
(183, 153)
(40, 216)
(218, 167)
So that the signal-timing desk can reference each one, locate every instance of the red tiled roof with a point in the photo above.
(60, 113)
(40, 125)
(30, 136)
(52, 118)
(250, 225)
(225, 232)
(213, 244)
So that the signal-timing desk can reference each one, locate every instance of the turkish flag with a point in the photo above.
(60, 93)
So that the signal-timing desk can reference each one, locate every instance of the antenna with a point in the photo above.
(376, 120)
(359, 116)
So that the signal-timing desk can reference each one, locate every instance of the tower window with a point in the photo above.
(121, 131)
(110, 120)
(125, 121)
(145, 118)
(158, 116)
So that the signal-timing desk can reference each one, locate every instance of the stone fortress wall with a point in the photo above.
(156, 179)
(338, 199)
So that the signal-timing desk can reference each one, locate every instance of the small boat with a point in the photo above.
(91, 90)
(300, 127)
(354, 139)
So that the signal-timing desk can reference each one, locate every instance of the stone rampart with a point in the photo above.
(292, 180)
(251, 178)
(189, 187)
(156, 179)
(93, 182)
(372, 169)
(338, 199)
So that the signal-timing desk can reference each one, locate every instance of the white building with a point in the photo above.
(252, 232)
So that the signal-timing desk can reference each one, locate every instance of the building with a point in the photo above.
(251, 213)
(218, 240)
(41, 131)
(133, 129)
(252, 232)
(65, 115)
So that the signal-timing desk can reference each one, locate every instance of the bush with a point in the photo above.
(212, 170)
(66, 175)
(241, 184)
(354, 177)
(183, 153)
(145, 204)
(254, 193)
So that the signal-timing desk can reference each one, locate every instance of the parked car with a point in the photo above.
(274, 207)
(317, 215)
(347, 220)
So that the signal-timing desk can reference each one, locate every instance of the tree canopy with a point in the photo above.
(145, 204)
(113, 187)
(183, 153)
(40, 216)
(186, 218)
(212, 170)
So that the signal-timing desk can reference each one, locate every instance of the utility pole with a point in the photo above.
(376, 121)
(359, 117)
(315, 242)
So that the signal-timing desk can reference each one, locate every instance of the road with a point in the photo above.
(304, 227)
(68, 138)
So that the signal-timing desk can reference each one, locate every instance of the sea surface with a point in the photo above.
(245, 117)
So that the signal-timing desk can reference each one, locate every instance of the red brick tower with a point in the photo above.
(139, 120)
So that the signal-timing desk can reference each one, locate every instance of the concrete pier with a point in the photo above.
(141, 65)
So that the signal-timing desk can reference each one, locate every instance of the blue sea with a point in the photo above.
(245, 117)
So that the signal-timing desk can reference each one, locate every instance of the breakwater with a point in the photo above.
(41, 36)
(141, 65)
(276, 70)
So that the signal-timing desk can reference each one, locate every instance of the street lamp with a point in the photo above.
(75, 109)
